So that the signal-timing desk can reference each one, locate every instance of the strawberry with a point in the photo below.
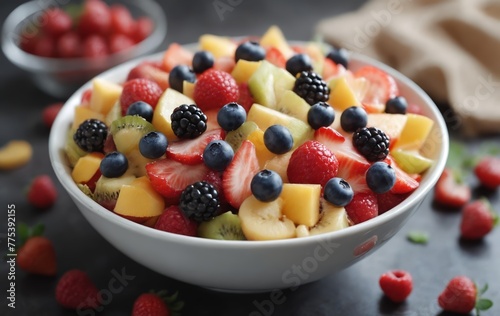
(190, 151)
(28, 42)
(37, 256)
(224, 63)
(382, 87)
(169, 177)
(50, 112)
(362, 207)
(477, 220)
(95, 46)
(389, 200)
(396, 285)
(95, 18)
(215, 178)
(176, 55)
(151, 71)
(69, 45)
(119, 42)
(42, 192)
(245, 99)
(148, 304)
(143, 28)
(214, 89)
(352, 166)
(487, 171)
(459, 296)
(405, 183)
(122, 21)
(450, 193)
(238, 175)
(76, 290)
(140, 90)
(56, 22)
(173, 220)
(312, 162)
(275, 57)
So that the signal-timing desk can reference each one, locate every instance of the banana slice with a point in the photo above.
(332, 218)
(264, 220)
(15, 154)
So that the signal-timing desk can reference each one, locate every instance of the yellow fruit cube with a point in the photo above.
(301, 203)
(279, 164)
(83, 113)
(188, 89)
(104, 95)
(244, 69)
(169, 100)
(274, 37)
(219, 46)
(263, 154)
(341, 95)
(415, 132)
(138, 199)
(391, 124)
(86, 167)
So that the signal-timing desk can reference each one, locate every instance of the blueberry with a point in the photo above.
(380, 177)
(250, 51)
(278, 139)
(338, 192)
(113, 165)
(202, 61)
(298, 63)
(231, 116)
(142, 109)
(153, 145)
(353, 118)
(266, 185)
(339, 56)
(320, 114)
(396, 105)
(178, 75)
(217, 155)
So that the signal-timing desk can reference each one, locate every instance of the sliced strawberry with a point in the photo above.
(352, 166)
(449, 192)
(215, 178)
(405, 183)
(382, 88)
(275, 57)
(237, 177)
(151, 71)
(245, 100)
(190, 151)
(224, 63)
(362, 207)
(176, 55)
(389, 200)
(169, 177)
(332, 70)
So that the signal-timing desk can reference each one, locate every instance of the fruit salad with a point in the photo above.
(248, 139)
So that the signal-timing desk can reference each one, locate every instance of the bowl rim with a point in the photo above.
(414, 199)
(32, 62)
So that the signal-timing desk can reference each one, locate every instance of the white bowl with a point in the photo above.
(250, 266)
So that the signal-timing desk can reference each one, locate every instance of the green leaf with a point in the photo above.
(37, 230)
(23, 233)
(483, 289)
(484, 304)
(456, 155)
(177, 306)
(418, 237)
(496, 220)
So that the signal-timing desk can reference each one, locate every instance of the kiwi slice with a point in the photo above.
(128, 130)
(236, 137)
(137, 163)
(72, 150)
(107, 189)
(226, 226)
(114, 113)
(85, 189)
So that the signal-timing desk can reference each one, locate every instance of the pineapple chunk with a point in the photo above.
(244, 69)
(169, 100)
(219, 46)
(104, 95)
(274, 38)
(301, 203)
(139, 200)
(188, 89)
(263, 154)
(83, 113)
(391, 124)
(341, 95)
(86, 167)
(415, 132)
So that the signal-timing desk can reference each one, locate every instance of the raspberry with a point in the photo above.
(372, 143)
(143, 28)
(174, 221)
(188, 121)
(69, 45)
(95, 19)
(488, 172)
(200, 201)
(122, 21)
(396, 285)
(459, 296)
(312, 162)
(119, 42)
(214, 89)
(311, 87)
(42, 192)
(477, 220)
(140, 90)
(362, 207)
(56, 22)
(95, 46)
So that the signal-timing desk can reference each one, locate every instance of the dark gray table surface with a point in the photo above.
(354, 291)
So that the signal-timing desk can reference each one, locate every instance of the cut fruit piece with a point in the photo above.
(274, 37)
(83, 113)
(137, 162)
(264, 220)
(293, 105)
(127, 131)
(104, 95)
(176, 55)
(391, 124)
(382, 87)
(342, 96)
(72, 150)
(107, 190)
(411, 161)
(138, 201)
(236, 137)
(415, 132)
(86, 167)
(301, 203)
(263, 154)
(219, 46)
(279, 164)
(169, 100)
(315, 51)
(244, 69)
(188, 89)
(268, 83)
(190, 151)
(265, 117)
(15, 154)
(226, 226)
(405, 183)
(114, 113)
(332, 218)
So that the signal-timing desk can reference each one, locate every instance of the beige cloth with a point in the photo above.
(451, 48)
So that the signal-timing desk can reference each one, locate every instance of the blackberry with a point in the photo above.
(90, 135)
(200, 201)
(188, 121)
(311, 87)
(371, 142)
